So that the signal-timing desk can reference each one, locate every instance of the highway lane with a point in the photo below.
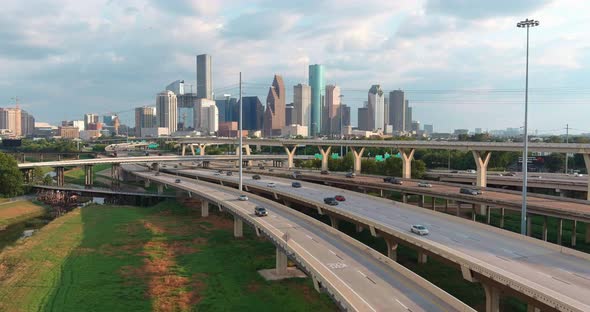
(377, 285)
(560, 275)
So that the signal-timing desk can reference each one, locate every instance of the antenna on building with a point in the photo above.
(15, 101)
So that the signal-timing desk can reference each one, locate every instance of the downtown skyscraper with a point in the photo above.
(317, 84)
(376, 106)
(167, 111)
(332, 110)
(397, 111)
(274, 116)
(145, 117)
(204, 77)
(302, 104)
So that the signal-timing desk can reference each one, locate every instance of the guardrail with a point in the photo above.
(536, 291)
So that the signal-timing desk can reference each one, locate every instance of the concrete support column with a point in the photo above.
(502, 213)
(587, 162)
(325, 154)
(160, 188)
(146, 183)
(434, 203)
(115, 171)
(574, 232)
(334, 222)
(529, 225)
(88, 175)
(446, 205)
(531, 308)
(492, 298)
(458, 210)
(357, 158)
(391, 249)
(421, 202)
(404, 198)
(559, 231)
(587, 238)
(183, 146)
(482, 172)
(59, 175)
(281, 262)
(407, 156)
(202, 149)
(359, 228)
(545, 228)
(238, 227)
(473, 212)
(192, 146)
(204, 208)
(489, 214)
(247, 149)
(290, 155)
(422, 257)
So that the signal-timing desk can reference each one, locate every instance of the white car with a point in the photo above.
(217, 173)
(271, 184)
(243, 197)
(424, 184)
(471, 171)
(419, 229)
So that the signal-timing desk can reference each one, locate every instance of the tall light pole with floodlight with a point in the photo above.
(528, 23)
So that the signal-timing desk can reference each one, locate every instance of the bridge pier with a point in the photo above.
(529, 225)
(407, 156)
(422, 257)
(492, 297)
(325, 154)
(421, 201)
(281, 262)
(357, 159)
(545, 228)
(334, 222)
(433, 203)
(488, 214)
(502, 213)
(482, 172)
(391, 249)
(192, 146)
(146, 183)
(238, 227)
(204, 208)
(201, 149)
(59, 176)
(587, 162)
(115, 170)
(290, 154)
(404, 198)
(559, 231)
(574, 232)
(88, 175)
(160, 188)
(183, 148)
(531, 308)
(247, 149)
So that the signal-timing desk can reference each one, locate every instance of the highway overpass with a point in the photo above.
(357, 280)
(545, 275)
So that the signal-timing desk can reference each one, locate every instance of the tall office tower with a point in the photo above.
(397, 110)
(209, 116)
(228, 109)
(332, 110)
(289, 114)
(145, 117)
(167, 111)
(109, 120)
(252, 113)
(177, 87)
(274, 116)
(302, 104)
(10, 118)
(204, 78)
(27, 124)
(345, 115)
(376, 107)
(408, 116)
(90, 119)
(415, 125)
(386, 111)
(363, 118)
(429, 129)
(317, 84)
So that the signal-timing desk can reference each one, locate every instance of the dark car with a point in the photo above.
(339, 198)
(455, 171)
(331, 201)
(256, 177)
(397, 181)
(260, 211)
(229, 173)
(469, 191)
(296, 184)
(388, 179)
(177, 181)
(270, 170)
(510, 174)
(350, 175)
(324, 172)
(157, 173)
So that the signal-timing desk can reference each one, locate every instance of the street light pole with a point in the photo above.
(523, 218)
(240, 121)
(341, 116)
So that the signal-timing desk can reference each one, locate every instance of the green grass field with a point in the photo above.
(18, 211)
(76, 175)
(162, 258)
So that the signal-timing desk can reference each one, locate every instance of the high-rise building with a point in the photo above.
(429, 129)
(302, 104)
(252, 114)
(167, 111)
(332, 110)
(289, 114)
(386, 111)
(274, 115)
(209, 116)
(397, 111)
(409, 119)
(145, 117)
(228, 109)
(415, 125)
(90, 119)
(10, 119)
(376, 106)
(363, 118)
(27, 124)
(317, 84)
(177, 87)
(109, 120)
(478, 131)
(345, 115)
(204, 77)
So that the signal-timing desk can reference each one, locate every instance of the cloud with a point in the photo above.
(476, 9)
(259, 25)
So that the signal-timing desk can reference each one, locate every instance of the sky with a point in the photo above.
(461, 62)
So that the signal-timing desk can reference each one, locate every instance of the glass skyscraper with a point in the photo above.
(317, 84)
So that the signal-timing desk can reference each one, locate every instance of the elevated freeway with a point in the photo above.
(545, 275)
(357, 278)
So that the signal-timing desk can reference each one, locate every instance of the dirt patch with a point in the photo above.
(253, 287)
(153, 227)
(309, 294)
(217, 223)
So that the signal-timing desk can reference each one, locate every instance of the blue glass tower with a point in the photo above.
(318, 85)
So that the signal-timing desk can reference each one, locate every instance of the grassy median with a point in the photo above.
(162, 258)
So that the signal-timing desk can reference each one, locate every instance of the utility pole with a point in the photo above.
(567, 140)
(240, 121)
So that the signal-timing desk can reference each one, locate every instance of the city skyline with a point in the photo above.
(478, 67)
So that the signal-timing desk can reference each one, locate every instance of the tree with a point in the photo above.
(555, 162)
(11, 179)
(47, 180)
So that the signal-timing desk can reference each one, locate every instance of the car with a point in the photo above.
(350, 175)
(256, 177)
(500, 174)
(296, 184)
(510, 174)
(177, 181)
(424, 184)
(260, 211)
(270, 170)
(455, 171)
(229, 174)
(175, 166)
(324, 172)
(468, 191)
(339, 198)
(470, 171)
(157, 173)
(243, 197)
(217, 173)
(261, 167)
(296, 172)
(220, 171)
(388, 179)
(419, 229)
(331, 201)
(271, 184)
(397, 181)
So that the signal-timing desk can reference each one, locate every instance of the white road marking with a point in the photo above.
(332, 252)
(308, 236)
(403, 305)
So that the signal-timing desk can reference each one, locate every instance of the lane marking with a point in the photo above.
(403, 305)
